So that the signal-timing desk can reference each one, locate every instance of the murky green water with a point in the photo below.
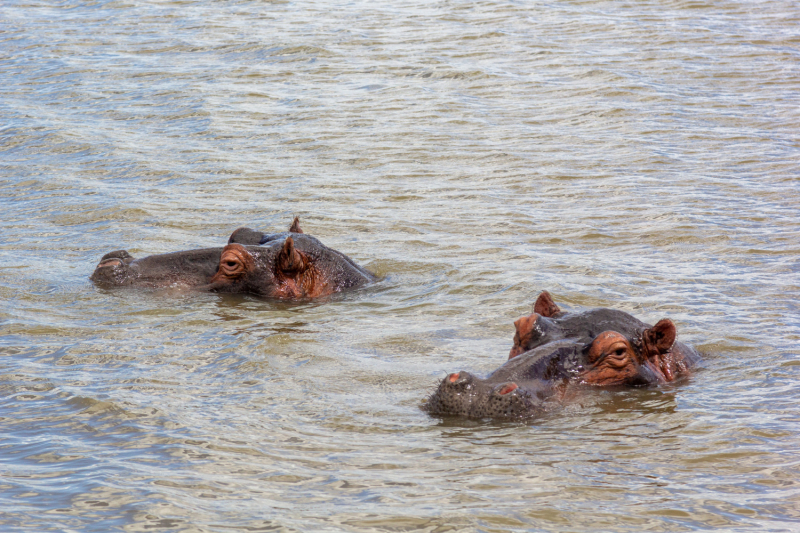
(641, 155)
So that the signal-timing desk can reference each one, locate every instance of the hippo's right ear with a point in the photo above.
(290, 260)
(295, 227)
(659, 339)
(545, 306)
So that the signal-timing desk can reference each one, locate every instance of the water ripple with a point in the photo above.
(641, 157)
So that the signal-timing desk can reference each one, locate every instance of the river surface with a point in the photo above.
(643, 156)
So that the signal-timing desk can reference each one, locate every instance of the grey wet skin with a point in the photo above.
(599, 347)
(288, 265)
(191, 268)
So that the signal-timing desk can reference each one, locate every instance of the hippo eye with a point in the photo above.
(233, 264)
(619, 351)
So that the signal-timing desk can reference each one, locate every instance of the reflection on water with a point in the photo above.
(471, 154)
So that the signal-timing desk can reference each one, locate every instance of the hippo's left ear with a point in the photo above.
(295, 227)
(290, 260)
(659, 339)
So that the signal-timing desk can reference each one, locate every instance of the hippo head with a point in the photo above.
(645, 359)
(598, 348)
(286, 266)
(548, 323)
(283, 265)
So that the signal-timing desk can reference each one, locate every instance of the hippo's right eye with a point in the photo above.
(231, 264)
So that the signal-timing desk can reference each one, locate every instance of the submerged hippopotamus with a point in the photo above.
(282, 265)
(555, 351)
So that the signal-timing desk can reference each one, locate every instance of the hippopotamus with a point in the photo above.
(286, 265)
(555, 352)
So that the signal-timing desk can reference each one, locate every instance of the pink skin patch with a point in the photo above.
(508, 387)
(453, 377)
(110, 262)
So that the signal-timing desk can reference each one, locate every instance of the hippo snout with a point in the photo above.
(112, 270)
(454, 395)
(508, 401)
(463, 394)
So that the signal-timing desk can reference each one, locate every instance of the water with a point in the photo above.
(641, 156)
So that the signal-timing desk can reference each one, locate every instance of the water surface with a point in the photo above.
(642, 156)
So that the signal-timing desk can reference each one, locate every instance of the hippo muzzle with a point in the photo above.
(463, 394)
(113, 270)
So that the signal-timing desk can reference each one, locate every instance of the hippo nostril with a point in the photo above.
(109, 263)
(459, 380)
(507, 388)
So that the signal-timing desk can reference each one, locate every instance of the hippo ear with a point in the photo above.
(524, 326)
(545, 306)
(295, 227)
(291, 261)
(659, 339)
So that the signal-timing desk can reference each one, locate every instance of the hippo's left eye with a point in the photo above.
(233, 264)
(619, 351)
(230, 265)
